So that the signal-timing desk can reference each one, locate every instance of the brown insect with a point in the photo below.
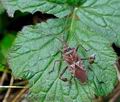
(75, 64)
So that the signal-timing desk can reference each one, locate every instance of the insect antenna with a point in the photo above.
(63, 42)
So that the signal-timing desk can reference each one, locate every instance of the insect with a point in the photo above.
(75, 64)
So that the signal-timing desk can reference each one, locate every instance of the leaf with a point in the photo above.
(94, 25)
(101, 16)
(69, 2)
(2, 59)
(6, 43)
(37, 48)
(36, 5)
(1, 8)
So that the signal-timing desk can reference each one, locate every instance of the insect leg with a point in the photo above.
(63, 79)
(77, 47)
(70, 81)
(82, 47)
(84, 58)
(91, 59)
(54, 65)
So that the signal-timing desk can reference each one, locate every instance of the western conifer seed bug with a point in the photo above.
(75, 63)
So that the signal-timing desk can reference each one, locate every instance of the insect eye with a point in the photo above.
(69, 49)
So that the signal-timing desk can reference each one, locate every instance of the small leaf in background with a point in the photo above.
(5, 46)
(6, 43)
(1, 8)
(2, 60)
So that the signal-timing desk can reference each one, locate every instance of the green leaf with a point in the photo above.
(37, 48)
(6, 43)
(69, 2)
(94, 25)
(36, 5)
(1, 8)
(101, 16)
(2, 59)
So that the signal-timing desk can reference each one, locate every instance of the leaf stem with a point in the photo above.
(13, 87)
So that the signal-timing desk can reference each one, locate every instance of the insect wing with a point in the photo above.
(81, 74)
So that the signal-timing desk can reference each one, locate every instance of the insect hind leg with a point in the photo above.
(90, 59)
(61, 75)
(79, 45)
(54, 65)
